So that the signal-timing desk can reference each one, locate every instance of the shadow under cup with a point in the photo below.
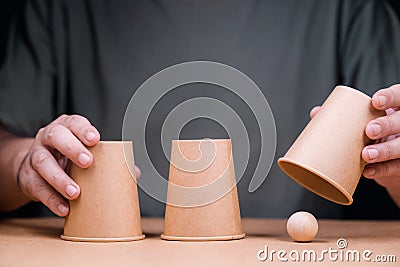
(326, 157)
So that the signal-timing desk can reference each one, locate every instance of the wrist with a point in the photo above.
(17, 149)
(12, 152)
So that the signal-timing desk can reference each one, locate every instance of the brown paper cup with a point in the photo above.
(195, 166)
(107, 209)
(326, 157)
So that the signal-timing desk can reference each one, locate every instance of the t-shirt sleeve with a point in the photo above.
(28, 74)
(370, 45)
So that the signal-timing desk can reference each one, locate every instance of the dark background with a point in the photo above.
(9, 8)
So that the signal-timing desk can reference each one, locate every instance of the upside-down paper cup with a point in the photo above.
(326, 157)
(107, 209)
(200, 164)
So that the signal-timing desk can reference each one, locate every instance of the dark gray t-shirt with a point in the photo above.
(89, 57)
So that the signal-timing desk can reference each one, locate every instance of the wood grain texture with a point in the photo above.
(36, 242)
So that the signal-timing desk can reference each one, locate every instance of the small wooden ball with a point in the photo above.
(302, 226)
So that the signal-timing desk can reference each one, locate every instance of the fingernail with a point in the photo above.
(376, 128)
(83, 158)
(373, 153)
(71, 190)
(382, 100)
(90, 136)
(62, 208)
(370, 171)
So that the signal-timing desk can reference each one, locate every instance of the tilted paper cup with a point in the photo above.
(202, 164)
(326, 157)
(107, 209)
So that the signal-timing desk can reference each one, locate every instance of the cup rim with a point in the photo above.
(202, 238)
(324, 177)
(102, 239)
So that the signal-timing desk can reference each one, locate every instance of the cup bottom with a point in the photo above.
(315, 181)
(202, 238)
(102, 239)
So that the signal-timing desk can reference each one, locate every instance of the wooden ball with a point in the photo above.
(302, 226)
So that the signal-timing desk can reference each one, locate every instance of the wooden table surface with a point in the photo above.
(36, 242)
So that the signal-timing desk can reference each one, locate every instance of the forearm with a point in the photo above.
(12, 151)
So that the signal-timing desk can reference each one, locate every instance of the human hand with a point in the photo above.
(42, 174)
(383, 157)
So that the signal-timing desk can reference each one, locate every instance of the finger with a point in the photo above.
(45, 164)
(390, 111)
(387, 98)
(388, 182)
(138, 172)
(61, 138)
(81, 128)
(314, 111)
(382, 151)
(382, 169)
(383, 126)
(38, 189)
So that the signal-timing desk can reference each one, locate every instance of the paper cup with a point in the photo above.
(199, 164)
(326, 157)
(107, 209)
